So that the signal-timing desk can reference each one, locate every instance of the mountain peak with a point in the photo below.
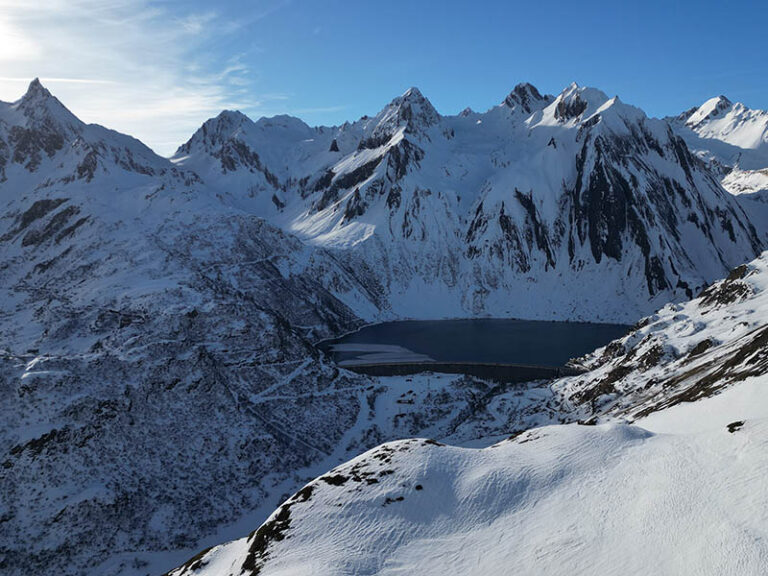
(413, 93)
(526, 97)
(230, 119)
(36, 90)
(710, 109)
(39, 104)
(575, 101)
(724, 100)
(412, 109)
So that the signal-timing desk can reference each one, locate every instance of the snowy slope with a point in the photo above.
(667, 478)
(615, 498)
(146, 326)
(459, 213)
(681, 353)
(156, 344)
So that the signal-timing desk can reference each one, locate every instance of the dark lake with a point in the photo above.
(481, 340)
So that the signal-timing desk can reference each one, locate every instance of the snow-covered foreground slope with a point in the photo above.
(678, 493)
(156, 356)
(664, 474)
(492, 213)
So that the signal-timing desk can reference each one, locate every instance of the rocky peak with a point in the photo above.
(411, 110)
(40, 107)
(36, 90)
(711, 109)
(215, 131)
(578, 101)
(526, 97)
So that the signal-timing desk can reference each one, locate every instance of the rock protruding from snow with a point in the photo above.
(527, 98)
(675, 494)
(682, 353)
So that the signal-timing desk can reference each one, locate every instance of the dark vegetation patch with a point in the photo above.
(700, 348)
(273, 530)
(730, 290)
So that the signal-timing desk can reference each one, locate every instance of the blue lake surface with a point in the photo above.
(483, 340)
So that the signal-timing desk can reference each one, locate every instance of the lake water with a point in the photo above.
(483, 340)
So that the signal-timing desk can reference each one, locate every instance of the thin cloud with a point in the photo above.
(151, 71)
(47, 80)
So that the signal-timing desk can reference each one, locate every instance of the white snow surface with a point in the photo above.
(674, 494)
(729, 133)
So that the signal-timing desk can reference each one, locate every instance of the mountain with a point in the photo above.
(158, 356)
(457, 213)
(159, 318)
(665, 474)
(733, 140)
(149, 330)
(727, 133)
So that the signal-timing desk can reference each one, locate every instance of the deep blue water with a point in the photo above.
(503, 341)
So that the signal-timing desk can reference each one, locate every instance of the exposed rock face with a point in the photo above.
(398, 503)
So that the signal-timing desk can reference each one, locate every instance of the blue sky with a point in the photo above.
(158, 68)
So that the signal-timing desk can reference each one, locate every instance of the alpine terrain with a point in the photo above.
(159, 318)
(664, 475)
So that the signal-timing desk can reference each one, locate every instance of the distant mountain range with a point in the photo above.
(158, 317)
(538, 193)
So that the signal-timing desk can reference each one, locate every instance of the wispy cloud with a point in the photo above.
(139, 66)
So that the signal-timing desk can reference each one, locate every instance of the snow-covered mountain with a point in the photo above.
(665, 475)
(733, 140)
(161, 386)
(727, 133)
(149, 331)
(458, 213)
